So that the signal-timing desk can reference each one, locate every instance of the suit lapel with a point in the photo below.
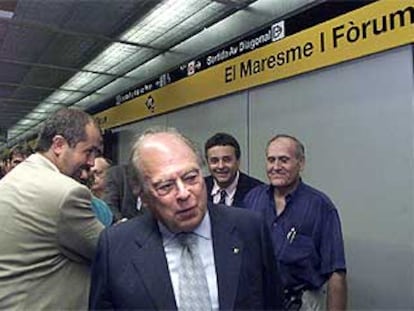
(228, 251)
(151, 264)
(242, 189)
(209, 185)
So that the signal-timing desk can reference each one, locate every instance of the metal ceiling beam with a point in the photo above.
(18, 100)
(15, 110)
(56, 67)
(26, 133)
(22, 129)
(50, 28)
(42, 87)
(234, 3)
(34, 119)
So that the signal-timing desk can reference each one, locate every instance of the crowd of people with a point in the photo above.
(78, 232)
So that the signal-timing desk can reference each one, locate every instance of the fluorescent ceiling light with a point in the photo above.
(46, 107)
(25, 123)
(169, 21)
(80, 80)
(164, 17)
(36, 115)
(115, 53)
(59, 96)
(6, 14)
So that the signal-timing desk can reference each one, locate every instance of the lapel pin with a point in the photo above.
(236, 250)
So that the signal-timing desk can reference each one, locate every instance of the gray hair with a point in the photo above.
(300, 148)
(137, 175)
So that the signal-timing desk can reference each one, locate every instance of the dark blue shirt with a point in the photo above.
(307, 236)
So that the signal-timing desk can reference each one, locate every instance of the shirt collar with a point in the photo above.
(203, 230)
(291, 195)
(230, 190)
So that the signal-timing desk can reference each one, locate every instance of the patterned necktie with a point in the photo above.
(194, 294)
(223, 195)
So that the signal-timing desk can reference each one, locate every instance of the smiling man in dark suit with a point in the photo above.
(144, 263)
(226, 184)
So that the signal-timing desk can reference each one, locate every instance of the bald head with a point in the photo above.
(168, 167)
(156, 137)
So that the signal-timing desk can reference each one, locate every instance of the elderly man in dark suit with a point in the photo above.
(226, 184)
(184, 254)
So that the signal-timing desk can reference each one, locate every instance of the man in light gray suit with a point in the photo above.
(48, 232)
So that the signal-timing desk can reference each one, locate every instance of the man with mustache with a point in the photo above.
(226, 184)
(305, 228)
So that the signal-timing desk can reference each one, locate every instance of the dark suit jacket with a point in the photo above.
(118, 193)
(131, 270)
(244, 185)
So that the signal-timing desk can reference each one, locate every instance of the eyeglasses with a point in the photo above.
(171, 186)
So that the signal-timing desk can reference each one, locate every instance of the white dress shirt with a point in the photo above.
(173, 250)
(230, 191)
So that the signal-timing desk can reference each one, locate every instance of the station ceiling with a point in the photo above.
(56, 53)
